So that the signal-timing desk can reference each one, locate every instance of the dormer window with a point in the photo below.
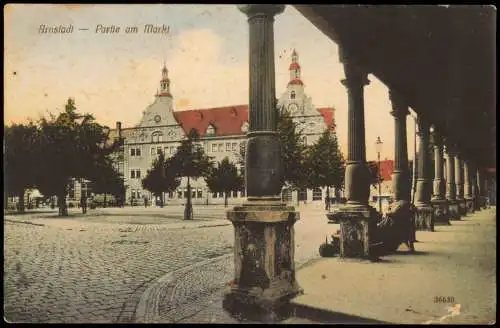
(244, 127)
(157, 137)
(210, 130)
(292, 95)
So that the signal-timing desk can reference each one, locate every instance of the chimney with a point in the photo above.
(119, 129)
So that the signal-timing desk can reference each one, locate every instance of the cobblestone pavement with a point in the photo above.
(99, 267)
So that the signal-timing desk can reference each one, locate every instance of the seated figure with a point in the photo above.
(395, 228)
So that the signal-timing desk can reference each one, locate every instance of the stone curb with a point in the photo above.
(148, 308)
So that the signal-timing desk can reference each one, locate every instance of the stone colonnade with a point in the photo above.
(264, 280)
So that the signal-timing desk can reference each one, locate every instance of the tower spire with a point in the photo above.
(295, 69)
(164, 82)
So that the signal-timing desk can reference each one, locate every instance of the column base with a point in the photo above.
(453, 210)
(462, 207)
(441, 215)
(469, 204)
(357, 227)
(257, 305)
(424, 217)
(264, 279)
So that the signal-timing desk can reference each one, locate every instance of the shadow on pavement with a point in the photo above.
(324, 316)
(416, 252)
(28, 213)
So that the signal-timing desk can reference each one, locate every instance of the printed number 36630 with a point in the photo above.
(444, 299)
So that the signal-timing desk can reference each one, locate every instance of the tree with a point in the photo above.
(191, 161)
(20, 161)
(375, 176)
(292, 151)
(224, 178)
(325, 163)
(107, 180)
(161, 178)
(71, 145)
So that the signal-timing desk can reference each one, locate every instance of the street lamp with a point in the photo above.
(378, 148)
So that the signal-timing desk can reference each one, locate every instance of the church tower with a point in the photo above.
(164, 83)
(160, 112)
(294, 98)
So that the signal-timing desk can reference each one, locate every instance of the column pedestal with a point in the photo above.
(441, 215)
(462, 207)
(453, 210)
(264, 260)
(357, 227)
(469, 204)
(424, 217)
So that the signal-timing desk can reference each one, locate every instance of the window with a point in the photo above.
(200, 193)
(158, 150)
(210, 130)
(157, 137)
(135, 152)
(303, 194)
(235, 193)
(233, 146)
(292, 95)
(228, 146)
(317, 194)
(193, 193)
(135, 174)
(185, 193)
(221, 195)
(133, 196)
(214, 148)
(243, 146)
(152, 151)
(244, 127)
(221, 147)
(286, 195)
(214, 195)
(243, 193)
(170, 194)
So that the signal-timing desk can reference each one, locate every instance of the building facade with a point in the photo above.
(222, 133)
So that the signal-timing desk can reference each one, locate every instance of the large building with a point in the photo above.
(222, 131)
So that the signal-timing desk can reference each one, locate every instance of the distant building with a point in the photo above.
(222, 131)
(386, 170)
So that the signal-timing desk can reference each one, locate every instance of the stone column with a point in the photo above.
(459, 181)
(481, 188)
(357, 219)
(439, 202)
(264, 279)
(469, 199)
(451, 189)
(424, 215)
(400, 176)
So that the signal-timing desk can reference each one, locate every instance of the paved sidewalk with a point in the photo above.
(457, 261)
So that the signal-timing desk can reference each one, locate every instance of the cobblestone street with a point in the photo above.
(108, 265)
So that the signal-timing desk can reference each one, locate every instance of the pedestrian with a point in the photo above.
(83, 204)
(327, 202)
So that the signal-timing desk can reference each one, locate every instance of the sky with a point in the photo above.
(115, 76)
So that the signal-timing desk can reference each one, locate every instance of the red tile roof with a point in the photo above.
(228, 120)
(296, 81)
(386, 169)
